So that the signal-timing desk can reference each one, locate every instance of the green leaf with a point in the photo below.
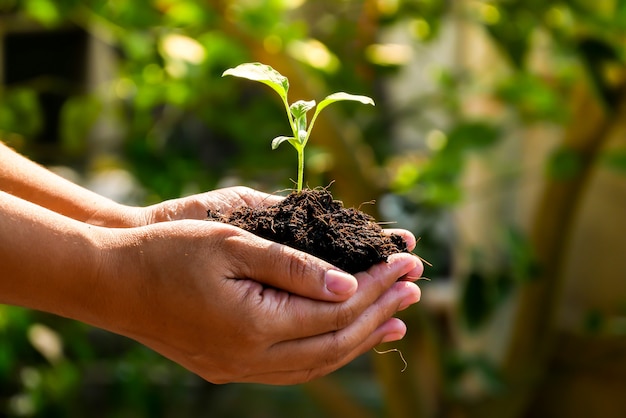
(337, 97)
(280, 139)
(262, 73)
(341, 96)
(298, 110)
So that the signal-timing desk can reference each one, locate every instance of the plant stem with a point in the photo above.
(300, 151)
(300, 168)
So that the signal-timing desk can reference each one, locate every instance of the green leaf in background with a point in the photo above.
(513, 39)
(472, 135)
(185, 13)
(139, 45)
(78, 115)
(20, 112)
(44, 11)
(533, 96)
(615, 160)
(564, 164)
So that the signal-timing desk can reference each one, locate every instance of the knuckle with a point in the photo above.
(344, 316)
(253, 328)
(299, 265)
(333, 352)
(229, 233)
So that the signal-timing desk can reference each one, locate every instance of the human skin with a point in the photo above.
(227, 305)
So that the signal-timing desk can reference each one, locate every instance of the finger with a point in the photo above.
(408, 237)
(253, 198)
(295, 317)
(285, 268)
(391, 330)
(227, 199)
(373, 283)
(416, 272)
(220, 200)
(335, 349)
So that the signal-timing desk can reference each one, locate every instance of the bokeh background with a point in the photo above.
(498, 138)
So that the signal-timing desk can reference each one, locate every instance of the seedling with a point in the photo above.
(296, 112)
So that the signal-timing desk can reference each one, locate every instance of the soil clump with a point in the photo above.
(313, 222)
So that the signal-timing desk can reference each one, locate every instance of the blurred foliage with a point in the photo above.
(160, 109)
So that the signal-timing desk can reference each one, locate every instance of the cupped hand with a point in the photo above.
(233, 307)
(196, 206)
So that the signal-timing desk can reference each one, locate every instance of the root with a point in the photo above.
(391, 350)
(423, 260)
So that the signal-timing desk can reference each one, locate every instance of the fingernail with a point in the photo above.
(340, 283)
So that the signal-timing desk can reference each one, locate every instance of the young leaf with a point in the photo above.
(336, 97)
(280, 139)
(300, 107)
(298, 111)
(262, 73)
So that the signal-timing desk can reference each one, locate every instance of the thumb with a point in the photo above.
(288, 269)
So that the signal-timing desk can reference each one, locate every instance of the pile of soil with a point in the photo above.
(312, 221)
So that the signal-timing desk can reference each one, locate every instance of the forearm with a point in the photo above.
(49, 262)
(34, 183)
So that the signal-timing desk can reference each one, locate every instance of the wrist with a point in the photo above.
(49, 262)
(106, 296)
(110, 278)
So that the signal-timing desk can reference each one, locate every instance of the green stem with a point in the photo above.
(292, 123)
(300, 168)
(294, 129)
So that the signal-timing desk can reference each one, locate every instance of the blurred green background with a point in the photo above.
(498, 138)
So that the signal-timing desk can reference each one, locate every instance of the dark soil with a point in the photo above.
(312, 221)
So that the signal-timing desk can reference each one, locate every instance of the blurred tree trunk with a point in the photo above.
(537, 347)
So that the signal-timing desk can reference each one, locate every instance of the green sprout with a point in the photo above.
(296, 112)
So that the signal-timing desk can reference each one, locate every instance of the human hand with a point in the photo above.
(196, 206)
(233, 307)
